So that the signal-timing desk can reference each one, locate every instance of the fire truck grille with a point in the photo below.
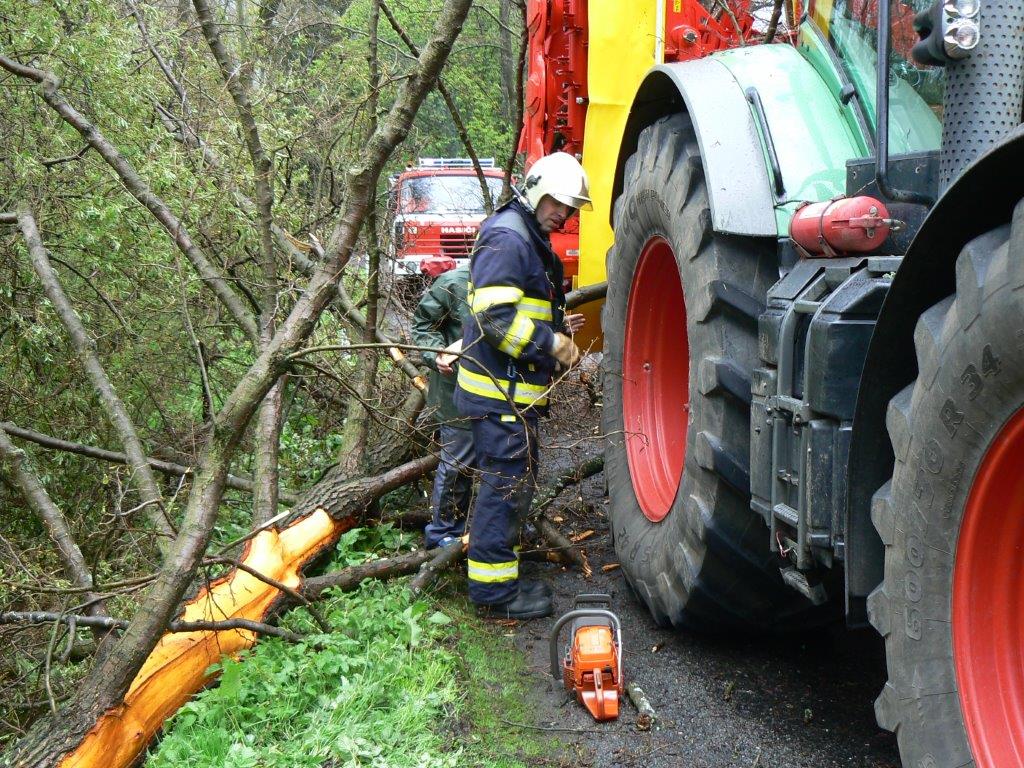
(457, 246)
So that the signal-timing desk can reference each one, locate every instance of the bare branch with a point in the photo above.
(237, 482)
(140, 190)
(773, 23)
(724, 5)
(13, 466)
(140, 21)
(50, 162)
(524, 46)
(453, 109)
(85, 348)
(349, 578)
(585, 295)
(431, 569)
(106, 622)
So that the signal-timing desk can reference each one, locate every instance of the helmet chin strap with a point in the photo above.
(524, 201)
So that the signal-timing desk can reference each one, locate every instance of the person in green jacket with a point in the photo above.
(437, 322)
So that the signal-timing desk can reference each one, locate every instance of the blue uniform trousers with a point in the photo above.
(507, 455)
(453, 485)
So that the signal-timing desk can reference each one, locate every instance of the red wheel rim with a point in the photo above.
(988, 604)
(655, 379)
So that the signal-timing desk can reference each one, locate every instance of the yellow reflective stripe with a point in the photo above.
(538, 309)
(519, 333)
(493, 572)
(526, 394)
(487, 297)
(483, 379)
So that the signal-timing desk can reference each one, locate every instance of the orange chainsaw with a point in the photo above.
(592, 661)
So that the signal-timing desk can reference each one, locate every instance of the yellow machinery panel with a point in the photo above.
(623, 45)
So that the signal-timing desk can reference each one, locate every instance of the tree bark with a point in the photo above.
(574, 476)
(356, 434)
(268, 422)
(85, 348)
(349, 578)
(524, 44)
(107, 682)
(13, 466)
(585, 295)
(507, 58)
(773, 23)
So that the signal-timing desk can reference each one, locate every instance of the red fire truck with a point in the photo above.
(438, 207)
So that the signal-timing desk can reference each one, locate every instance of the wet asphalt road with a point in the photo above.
(743, 703)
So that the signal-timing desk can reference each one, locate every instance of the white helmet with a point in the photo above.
(561, 176)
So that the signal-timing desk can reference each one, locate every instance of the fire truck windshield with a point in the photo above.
(446, 194)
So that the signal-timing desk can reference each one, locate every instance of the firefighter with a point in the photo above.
(437, 322)
(510, 348)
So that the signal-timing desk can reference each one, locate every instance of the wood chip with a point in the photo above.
(657, 646)
(610, 567)
(582, 536)
(558, 519)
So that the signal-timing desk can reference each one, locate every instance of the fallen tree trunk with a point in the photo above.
(179, 664)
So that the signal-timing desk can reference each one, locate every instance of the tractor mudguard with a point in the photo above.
(739, 188)
(982, 198)
(807, 133)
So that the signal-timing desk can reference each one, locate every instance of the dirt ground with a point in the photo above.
(743, 703)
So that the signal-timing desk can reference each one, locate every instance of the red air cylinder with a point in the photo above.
(846, 225)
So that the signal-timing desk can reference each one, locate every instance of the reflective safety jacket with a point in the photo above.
(516, 306)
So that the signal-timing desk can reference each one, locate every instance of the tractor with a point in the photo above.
(811, 224)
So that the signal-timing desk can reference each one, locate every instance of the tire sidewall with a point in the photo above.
(959, 405)
(642, 213)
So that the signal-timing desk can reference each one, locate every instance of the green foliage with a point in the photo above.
(387, 688)
(150, 315)
(371, 694)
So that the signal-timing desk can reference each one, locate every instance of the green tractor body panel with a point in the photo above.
(813, 133)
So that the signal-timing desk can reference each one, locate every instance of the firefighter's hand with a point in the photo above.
(574, 322)
(445, 361)
(565, 351)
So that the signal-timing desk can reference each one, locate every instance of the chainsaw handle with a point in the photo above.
(594, 597)
(578, 614)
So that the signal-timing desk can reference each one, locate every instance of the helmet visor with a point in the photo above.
(582, 203)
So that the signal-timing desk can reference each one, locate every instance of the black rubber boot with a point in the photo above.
(524, 606)
(534, 588)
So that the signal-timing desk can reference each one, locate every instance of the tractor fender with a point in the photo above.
(982, 198)
(739, 190)
(751, 108)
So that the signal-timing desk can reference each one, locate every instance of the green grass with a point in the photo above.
(498, 692)
(398, 683)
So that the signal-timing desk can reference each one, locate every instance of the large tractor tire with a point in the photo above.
(680, 327)
(951, 606)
